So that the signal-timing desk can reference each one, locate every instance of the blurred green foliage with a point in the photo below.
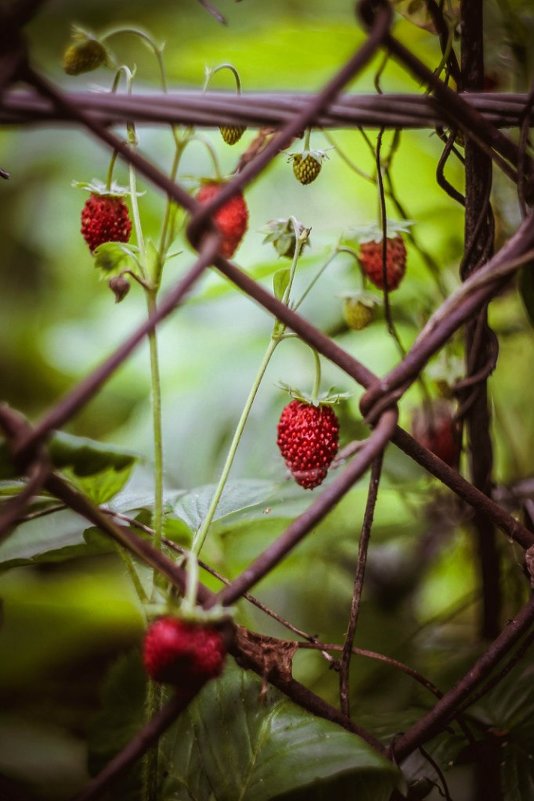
(68, 606)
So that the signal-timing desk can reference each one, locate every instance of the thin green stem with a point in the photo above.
(307, 139)
(157, 522)
(130, 567)
(153, 699)
(109, 176)
(319, 273)
(226, 66)
(317, 381)
(212, 154)
(200, 536)
(167, 226)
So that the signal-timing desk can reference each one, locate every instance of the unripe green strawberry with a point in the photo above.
(359, 309)
(231, 219)
(232, 133)
(308, 439)
(105, 218)
(183, 653)
(84, 55)
(306, 167)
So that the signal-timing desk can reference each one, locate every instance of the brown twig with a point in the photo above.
(431, 723)
(359, 576)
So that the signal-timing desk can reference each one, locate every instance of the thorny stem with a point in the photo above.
(359, 576)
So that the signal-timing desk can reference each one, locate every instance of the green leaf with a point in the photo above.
(86, 456)
(257, 747)
(83, 456)
(508, 711)
(102, 486)
(242, 500)
(52, 538)
(526, 290)
(281, 281)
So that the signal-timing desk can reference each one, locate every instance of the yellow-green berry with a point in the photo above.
(359, 309)
(232, 133)
(83, 56)
(306, 169)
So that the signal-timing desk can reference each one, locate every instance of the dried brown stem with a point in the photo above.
(359, 576)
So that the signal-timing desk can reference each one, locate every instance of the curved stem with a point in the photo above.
(226, 66)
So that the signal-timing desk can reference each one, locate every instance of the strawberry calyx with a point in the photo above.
(361, 296)
(328, 398)
(318, 155)
(96, 187)
(374, 233)
(284, 234)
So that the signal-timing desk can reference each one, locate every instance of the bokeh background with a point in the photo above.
(68, 611)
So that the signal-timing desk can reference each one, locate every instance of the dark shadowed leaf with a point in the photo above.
(257, 747)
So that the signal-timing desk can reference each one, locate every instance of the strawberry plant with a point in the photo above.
(248, 596)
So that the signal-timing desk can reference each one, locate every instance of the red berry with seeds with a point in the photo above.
(231, 219)
(370, 257)
(435, 427)
(308, 438)
(183, 653)
(105, 218)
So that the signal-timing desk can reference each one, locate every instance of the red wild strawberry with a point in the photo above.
(183, 653)
(370, 257)
(308, 438)
(105, 218)
(231, 219)
(435, 428)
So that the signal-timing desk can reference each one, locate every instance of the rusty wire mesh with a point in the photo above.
(479, 118)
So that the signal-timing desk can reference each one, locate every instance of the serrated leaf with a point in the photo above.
(102, 486)
(257, 747)
(281, 282)
(242, 500)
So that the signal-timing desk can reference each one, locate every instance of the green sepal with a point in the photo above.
(281, 282)
(97, 187)
(318, 155)
(328, 398)
(361, 296)
(111, 256)
(374, 232)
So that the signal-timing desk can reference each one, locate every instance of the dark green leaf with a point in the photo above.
(257, 747)
(526, 289)
(84, 457)
(508, 711)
